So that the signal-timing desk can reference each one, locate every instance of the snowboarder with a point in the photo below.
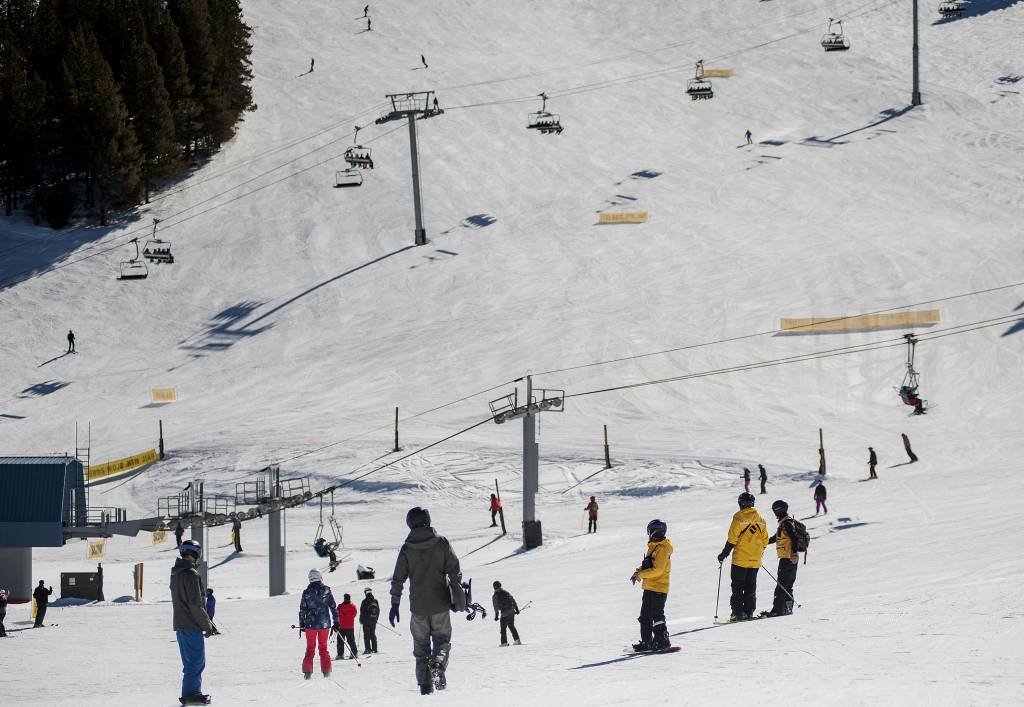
(368, 23)
(3, 613)
(505, 605)
(311, 62)
(654, 571)
(42, 599)
(749, 141)
(435, 588)
(906, 446)
(764, 478)
(369, 612)
(236, 534)
(99, 582)
(424, 60)
(347, 627)
(191, 623)
(366, 11)
(820, 494)
(785, 543)
(317, 615)
(495, 509)
(591, 510)
(178, 532)
(872, 463)
(746, 479)
(71, 342)
(748, 534)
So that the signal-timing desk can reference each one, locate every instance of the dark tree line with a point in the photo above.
(102, 99)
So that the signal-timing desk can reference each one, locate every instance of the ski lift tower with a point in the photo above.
(508, 408)
(410, 105)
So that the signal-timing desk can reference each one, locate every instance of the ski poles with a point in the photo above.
(718, 595)
(780, 586)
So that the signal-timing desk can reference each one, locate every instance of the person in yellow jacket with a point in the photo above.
(654, 572)
(786, 543)
(748, 537)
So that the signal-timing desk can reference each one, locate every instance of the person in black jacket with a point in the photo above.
(99, 582)
(505, 606)
(178, 533)
(820, 494)
(3, 613)
(435, 588)
(906, 446)
(872, 463)
(369, 612)
(764, 478)
(191, 623)
(42, 597)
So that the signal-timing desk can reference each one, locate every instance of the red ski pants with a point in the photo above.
(316, 639)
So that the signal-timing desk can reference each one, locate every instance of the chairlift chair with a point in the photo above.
(357, 155)
(133, 268)
(952, 8)
(347, 178)
(911, 379)
(834, 41)
(156, 250)
(543, 121)
(699, 88)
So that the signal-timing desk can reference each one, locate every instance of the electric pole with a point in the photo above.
(915, 95)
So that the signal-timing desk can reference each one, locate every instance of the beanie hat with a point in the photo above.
(497, 585)
(315, 576)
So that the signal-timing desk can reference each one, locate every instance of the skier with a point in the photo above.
(746, 479)
(424, 60)
(654, 571)
(820, 494)
(369, 612)
(505, 605)
(789, 559)
(99, 582)
(591, 509)
(435, 588)
(3, 613)
(191, 622)
(749, 141)
(435, 104)
(347, 627)
(872, 463)
(495, 509)
(178, 532)
(366, 11)
(325, 549)
(368, 27)
(748, 534)
(311, 62)
(906, 446)
(71, 342)
(236, 534)
(317, 612)
(211, 604)
(42, 598)
(764, 478)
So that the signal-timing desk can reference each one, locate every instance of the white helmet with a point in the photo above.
(315, 576)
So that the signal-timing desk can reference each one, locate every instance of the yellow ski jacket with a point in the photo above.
(655, 577)
(749, 536)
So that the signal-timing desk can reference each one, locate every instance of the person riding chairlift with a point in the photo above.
(326, 549)
(910, 397)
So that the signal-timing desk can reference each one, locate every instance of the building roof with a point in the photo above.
(34, 499)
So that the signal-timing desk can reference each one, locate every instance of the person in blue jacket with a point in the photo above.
(318, 613)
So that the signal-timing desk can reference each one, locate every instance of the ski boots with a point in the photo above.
(308, 676)
(643, 647)
(437, 673)
(503, 645)
(426, 688)
(518, 642)
(195, 700)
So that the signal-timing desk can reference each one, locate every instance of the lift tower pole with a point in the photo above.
(420, 104)
(915, 95)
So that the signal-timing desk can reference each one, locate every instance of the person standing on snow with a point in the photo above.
(366, 11)
(906, 446)
(435, 588)
(764, 478)
(99, 582)
(820, 494)
(369, 27)
(192, 625)
(506, 607)
(872, 463)
(495, 509)
(591, 509)
(369, 612)
(211, 604)
(347, 627)
(424, 60)
(749, 140)
(748, 534)
(71, 342)
(311, 63)
(178, 533)
(654, 571)
(236, 534)
(42, 598)
(789, 559)
(746, 479)
(3, 613)
(317, 615)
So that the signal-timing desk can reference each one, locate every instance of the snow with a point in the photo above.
(298, 316)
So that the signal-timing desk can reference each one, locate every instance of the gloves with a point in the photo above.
(302, 631)
(393, 615)
(336, 628)
(517, 612)
(721, 557)
(634, 578)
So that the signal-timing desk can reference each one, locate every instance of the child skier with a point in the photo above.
(591, 509)
(317, 612)
(746, 479)
(347, 627)
(506, 607)
(820, 494)
(748, 534)
(654, 571)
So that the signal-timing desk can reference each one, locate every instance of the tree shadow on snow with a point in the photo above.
(977, 8)
(41, 389)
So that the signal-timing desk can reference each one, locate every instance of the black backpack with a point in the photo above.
(802, 539)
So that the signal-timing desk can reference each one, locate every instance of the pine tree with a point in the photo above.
(232, 40)
(105, 139)
(22, 100)
(171, 54)
(193, 20)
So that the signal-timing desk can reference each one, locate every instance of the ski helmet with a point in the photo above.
(497, 584)
(417, 518)
(657, 526)
(315, 576)
(746, 500)
(191, 547)
(780, 508)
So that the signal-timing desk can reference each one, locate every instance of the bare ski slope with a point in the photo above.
(297, 316)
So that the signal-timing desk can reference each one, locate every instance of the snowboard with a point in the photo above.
(670, 649)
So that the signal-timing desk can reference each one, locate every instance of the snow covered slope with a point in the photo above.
(298, 316)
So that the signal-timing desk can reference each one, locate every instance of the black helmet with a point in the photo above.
(497, 585)
(780, 508)
(656, 529)
(746, 500)
(417, 518)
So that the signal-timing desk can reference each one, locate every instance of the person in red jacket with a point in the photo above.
(347, 633)
(591, 509)
(495, 507)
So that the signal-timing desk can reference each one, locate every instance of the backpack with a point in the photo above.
(802, 538)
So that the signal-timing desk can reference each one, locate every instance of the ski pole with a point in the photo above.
(780, 586)
(525, 606)
(384, 625)
(718, 595)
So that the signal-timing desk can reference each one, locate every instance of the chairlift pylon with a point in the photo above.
(133, 268)
(699, 88)
(834, 41)
(358, 156)
(156, 250)
(545, 122)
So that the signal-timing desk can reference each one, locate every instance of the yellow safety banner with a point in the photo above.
(623, 217)
(860, 322)
(96, 549)
(719, 73)
(163, 395)
(121, 466)
(159, 537)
